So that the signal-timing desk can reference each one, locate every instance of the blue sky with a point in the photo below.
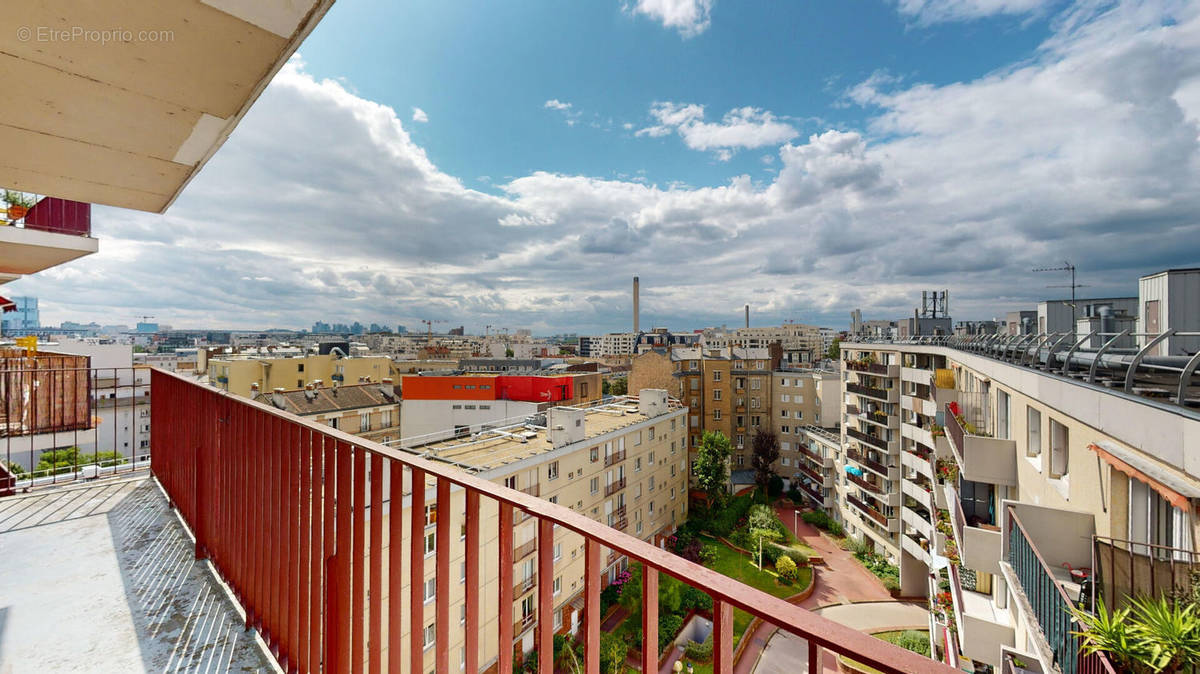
(805, 158)
(482, 71)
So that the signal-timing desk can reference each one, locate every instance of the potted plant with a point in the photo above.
(18, 204)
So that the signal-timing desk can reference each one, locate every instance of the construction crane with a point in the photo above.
(486, 328)
(145, 319)
(429, 325)
(1066, 266)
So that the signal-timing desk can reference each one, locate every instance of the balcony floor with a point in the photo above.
(102, 578)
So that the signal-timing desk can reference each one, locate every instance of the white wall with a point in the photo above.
(425, 417)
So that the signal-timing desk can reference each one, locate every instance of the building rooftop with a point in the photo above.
(330, 399)
(103, 577)
(523, 439)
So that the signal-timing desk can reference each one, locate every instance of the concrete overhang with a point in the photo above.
(28, 251)
(122, 103)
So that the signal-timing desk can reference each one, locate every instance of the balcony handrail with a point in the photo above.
(878, 443)
(869, 463)
(872, 391)
(873, 513)
(191, 412)
(1050, 608)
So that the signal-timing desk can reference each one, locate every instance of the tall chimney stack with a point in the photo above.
(635, 305)
(747, 315)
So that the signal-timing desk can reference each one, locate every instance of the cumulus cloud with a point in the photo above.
(555, 104)
(689, 17)
(419, 115)
(740, 128)
(320, 205)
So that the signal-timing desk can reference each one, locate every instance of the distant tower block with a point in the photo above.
(635, 305)
(747, 315)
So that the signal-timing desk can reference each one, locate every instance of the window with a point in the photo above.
(755, 383)
(650, 486)
(552, 471)
(650, 459)
(783, 413)
(430, 543)
(462, 572)
(672, 470)
(786, 398)
(1155, 521)
(430, 588)
(511, 482)
(430, 514)
(1033, 422)
(386, 418)
(716, 394)
(557, 614)
(557, 551)
(429, 632)
(652, 507)
(637, 438)
(784, 429)
(694, 384)
(740, 440)
(693, 365)
(672, 448)
(1060, 439)
(755, 420)
(595, 484)
(557, 587)
(651, 432)
(637, 465)
(716, 414)
(1002, 426)
(716, 375)
(695, 421)
(595, 454)
(333, 422)
(798, 415)
(300, 367)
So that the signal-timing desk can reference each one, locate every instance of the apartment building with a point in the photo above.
(238, 374)
(802, 344)
(1010, 478)
(801, 399)
(439, 406)
(370, 411)
(609, 345)
(623, 463)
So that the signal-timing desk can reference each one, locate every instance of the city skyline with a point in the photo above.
(805, 209)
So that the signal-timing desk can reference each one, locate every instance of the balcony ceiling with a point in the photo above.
(28, 251)
(129, 121)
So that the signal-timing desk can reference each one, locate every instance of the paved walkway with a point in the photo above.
(842, 580)
(102, 578)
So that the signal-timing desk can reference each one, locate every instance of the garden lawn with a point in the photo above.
(733, 564)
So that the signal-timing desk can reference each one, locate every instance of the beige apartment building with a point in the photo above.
(238, 375)
(802, 399)
(621, 462)
(997, 478)
(370, 411)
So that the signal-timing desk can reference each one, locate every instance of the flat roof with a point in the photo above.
(516, 442)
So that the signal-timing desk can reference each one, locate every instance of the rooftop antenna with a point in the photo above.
(1067, 266)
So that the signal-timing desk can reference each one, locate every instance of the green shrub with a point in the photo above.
(787, 569)
(770, 554)
(798, 556)
(741, 539)
(891, 584)
(608, 596)
(708, 554)
(699, 652)
(917, 642)
(835, 528)
(668, 628)
(613, 650)
(775, 486)
(695, 599)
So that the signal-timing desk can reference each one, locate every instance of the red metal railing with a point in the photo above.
(868, 510)
(616, 486)
(615, 457)
(869, 463)
(280, 506)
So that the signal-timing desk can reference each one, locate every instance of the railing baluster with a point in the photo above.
(416, 573)
(329, 587)
(395, 567)
(649, 619)
(358, 604)
(343, 528)
(306, 593)
(722, 637)
(505, 656)
(375, 645)
(441, 643)
(591, 605)
(545, 582)
(471, 555)
(291, 479)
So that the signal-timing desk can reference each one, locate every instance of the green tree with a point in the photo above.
(620, 386)
(835, 349)
(612, 653)
(605, 387)
(14, 468)
(508, 353)
(55, 461)
(1154, 634)
(765, 448)
(711, 469)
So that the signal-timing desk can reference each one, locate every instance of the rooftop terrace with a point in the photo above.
(112, 554)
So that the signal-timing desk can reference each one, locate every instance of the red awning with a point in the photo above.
(1173, 489)
(7, 305)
